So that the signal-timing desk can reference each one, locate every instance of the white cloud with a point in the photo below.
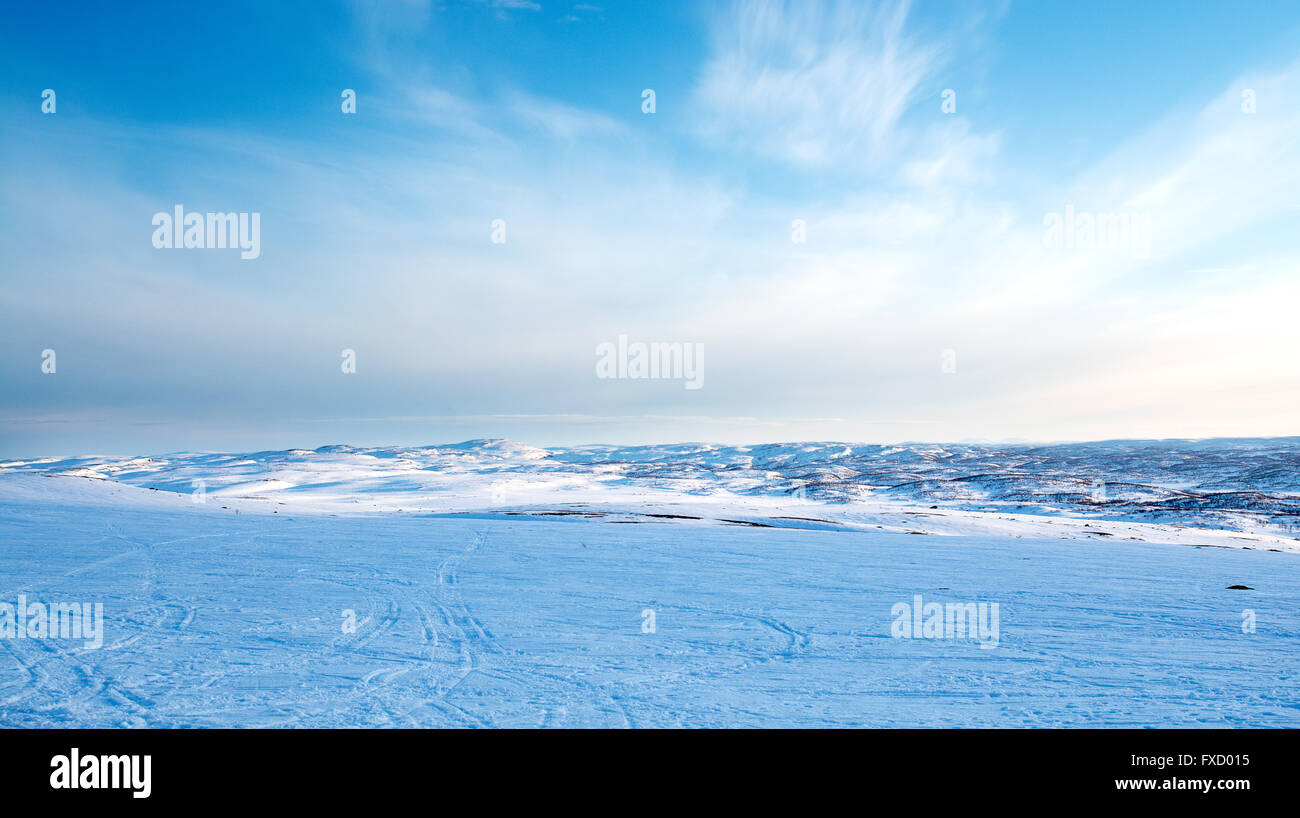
(562, 121)
(616, 239)
(515, 5)
(813, 83)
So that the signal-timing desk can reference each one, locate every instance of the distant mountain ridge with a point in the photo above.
(1220, 482)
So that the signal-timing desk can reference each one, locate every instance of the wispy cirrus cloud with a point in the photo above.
(377, 239)
(813, 83)
(513, 5)
(562, 121)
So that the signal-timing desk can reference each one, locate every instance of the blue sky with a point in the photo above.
(925, 229)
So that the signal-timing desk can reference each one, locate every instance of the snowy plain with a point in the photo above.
(494, 583)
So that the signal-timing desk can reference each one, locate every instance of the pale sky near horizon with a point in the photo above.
(924, 217)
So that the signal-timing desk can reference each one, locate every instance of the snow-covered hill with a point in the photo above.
(497, 584)
(1216, 491)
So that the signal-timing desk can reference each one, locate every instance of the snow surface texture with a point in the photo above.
(499, 584)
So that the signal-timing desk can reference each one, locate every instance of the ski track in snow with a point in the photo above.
(474, 610)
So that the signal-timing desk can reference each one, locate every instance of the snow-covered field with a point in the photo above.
(497, 584)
